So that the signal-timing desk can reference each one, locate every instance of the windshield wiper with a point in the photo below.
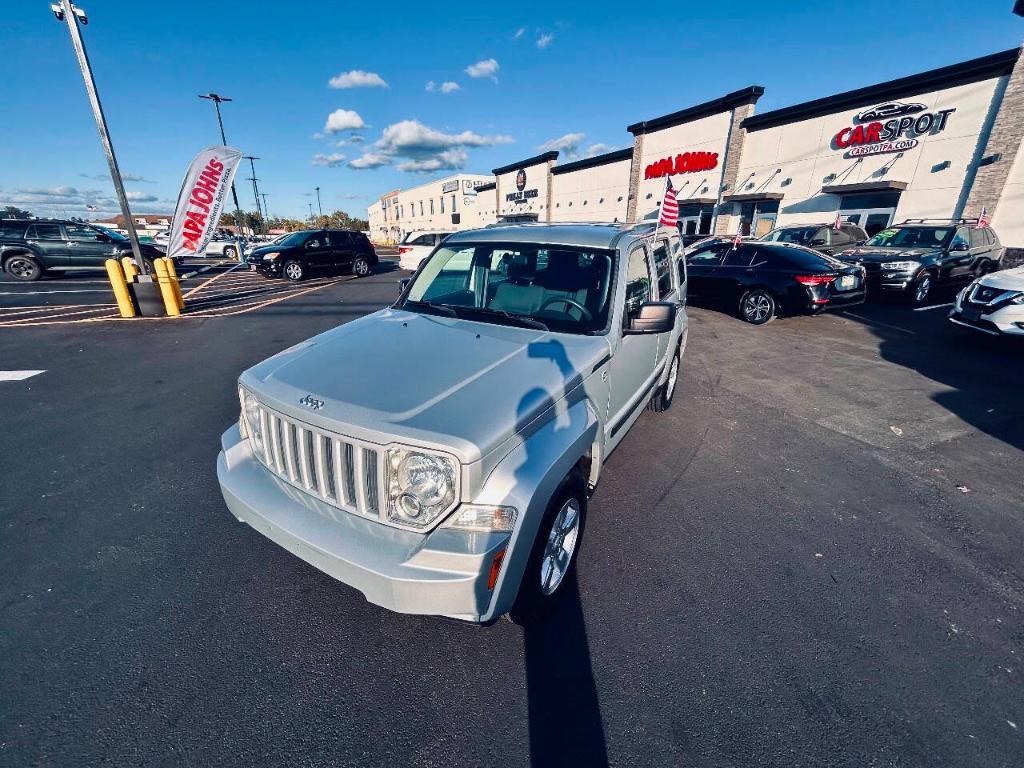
(430, 307)
(522, 320)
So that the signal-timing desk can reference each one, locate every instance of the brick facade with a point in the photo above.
(733, 157)
(634, 177)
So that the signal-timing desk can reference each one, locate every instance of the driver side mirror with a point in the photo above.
(818, 241)
(959, 246)
(403, 284)
(653, 317)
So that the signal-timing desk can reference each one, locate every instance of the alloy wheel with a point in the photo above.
(924, 287)
(673, 375)
(361, 267)
(293, 271)
(560, 547)
(757, 307)
(23, 269)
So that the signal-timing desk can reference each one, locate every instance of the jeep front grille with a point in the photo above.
(343, 472)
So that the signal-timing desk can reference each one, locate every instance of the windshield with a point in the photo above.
(295, 238)
(913, 237)
(798, 235)
(561, 288)
(110, 233)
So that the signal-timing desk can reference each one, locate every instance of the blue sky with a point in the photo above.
(562, 69)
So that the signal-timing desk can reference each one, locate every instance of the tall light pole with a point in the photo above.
(65, 11)
(310, 213)
(319, 207)
(266, 210)
(216, 98)
(255, 189)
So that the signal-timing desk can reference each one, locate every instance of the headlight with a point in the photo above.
(421, 486)
(900, 265)
(250, 419)
(271, 256)
(471, 517)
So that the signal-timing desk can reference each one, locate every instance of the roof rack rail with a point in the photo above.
(960, 220)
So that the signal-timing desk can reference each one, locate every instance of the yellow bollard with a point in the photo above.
(117, 282)
(173, 273)
(130, 270)
(166, 289)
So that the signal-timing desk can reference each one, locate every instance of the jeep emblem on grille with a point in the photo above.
(311, 402)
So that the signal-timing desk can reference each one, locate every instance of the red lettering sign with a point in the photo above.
(685, 162)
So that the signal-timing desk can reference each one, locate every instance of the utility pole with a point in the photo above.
(255, 188)
(216, 98)
(319, 207)
(266, 210)
(65, 11)
(310, 214)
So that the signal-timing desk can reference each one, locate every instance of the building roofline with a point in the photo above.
(993, 65)
(487, 187)
(747, 95)
(593, 162)
(541, 158)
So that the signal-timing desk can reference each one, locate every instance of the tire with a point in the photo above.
(986, 267)
(537, 595)
(293, 270)
(921, 288)
(758, 306)
(361, 266)
(662, 399)
(23, 267)
(230, 252)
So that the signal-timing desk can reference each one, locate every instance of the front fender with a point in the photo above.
(527, 478)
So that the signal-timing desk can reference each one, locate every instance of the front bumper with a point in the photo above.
(1007, 321)
(444, 572)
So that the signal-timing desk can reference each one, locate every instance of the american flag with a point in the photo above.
(839, 221)
(669, 207)
(737, 240)
(983, 219)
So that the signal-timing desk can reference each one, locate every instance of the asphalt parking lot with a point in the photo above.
(812, 559)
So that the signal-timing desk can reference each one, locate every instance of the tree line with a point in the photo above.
(254, 221)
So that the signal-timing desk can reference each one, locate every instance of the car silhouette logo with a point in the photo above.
(889, 109)
(311, 402)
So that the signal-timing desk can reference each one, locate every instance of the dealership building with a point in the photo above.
(940, 144)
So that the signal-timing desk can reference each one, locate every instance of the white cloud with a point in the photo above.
(356, 138)
(598, 149)
(518, 34)
(431, 86)
(370, 160)
(72, 201)
(141, 197)
(544, 39)
(318, 135)
(422, 149)
(449, 160)
(357, 78)
(450, 86)
(329, 161)
(484, 68)
(569, 144)
(343, 120)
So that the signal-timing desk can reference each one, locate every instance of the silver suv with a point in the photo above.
(438, 455)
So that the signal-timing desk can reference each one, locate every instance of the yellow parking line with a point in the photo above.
(212, 279)
(12, 311)
(273, 301)
(24, 320)
(33, 322)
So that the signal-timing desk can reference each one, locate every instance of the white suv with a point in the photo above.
(417, 246)
(993, 304)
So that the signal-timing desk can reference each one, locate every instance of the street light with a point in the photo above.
(319, 207)
(266, 210)
(310, 213)
(66, 12)
(255, 188)
(216, 98)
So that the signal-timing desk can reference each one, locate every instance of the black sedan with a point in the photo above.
(760, 280)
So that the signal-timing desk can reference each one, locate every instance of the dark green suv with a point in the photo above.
(913, 258)
(30, 248)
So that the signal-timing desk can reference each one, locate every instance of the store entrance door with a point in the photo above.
(872, 212)
(694, 219)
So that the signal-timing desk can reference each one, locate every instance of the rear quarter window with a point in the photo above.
(792, 258)
(11, 231)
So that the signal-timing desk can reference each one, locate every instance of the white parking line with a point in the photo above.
(18, 375)
(40, 293)
(869, 321)
(933, 306)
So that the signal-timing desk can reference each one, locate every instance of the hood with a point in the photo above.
(1006, 280)
(262, 249)
(877, 254)
(405, 377)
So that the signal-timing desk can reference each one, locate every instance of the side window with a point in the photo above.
(990, 236)
(841, 237)
(978, 239)
(710, 256)
(12, 231)
(81, 234)
(44, 232)
(961, 238)
(638, 282)
(315, 241)
(663, 267)
(739, 257)
(340, 239)
(822, 237)
(423, 240)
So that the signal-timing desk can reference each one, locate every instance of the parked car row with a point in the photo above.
(810, 268)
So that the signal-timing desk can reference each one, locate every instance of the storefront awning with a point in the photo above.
(696, 201)
(752, 197)
(882, 185)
